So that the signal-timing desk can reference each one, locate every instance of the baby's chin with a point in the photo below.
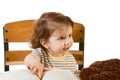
(64, 52)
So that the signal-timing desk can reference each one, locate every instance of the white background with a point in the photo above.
(101, 19)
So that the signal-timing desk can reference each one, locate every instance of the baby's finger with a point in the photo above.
(40, 74)
(33, 70)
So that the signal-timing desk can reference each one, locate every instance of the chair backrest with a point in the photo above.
(20, 31)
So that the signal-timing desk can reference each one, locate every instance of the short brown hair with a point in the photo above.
(46, 25)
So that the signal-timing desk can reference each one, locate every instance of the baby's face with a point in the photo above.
(61, 40)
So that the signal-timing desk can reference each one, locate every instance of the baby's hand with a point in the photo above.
(39, 71)
(34, 65)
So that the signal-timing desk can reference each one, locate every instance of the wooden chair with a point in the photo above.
(20, 31)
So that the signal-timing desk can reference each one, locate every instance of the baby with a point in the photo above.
(51, 41)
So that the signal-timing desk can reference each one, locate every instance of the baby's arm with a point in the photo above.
(32, 61)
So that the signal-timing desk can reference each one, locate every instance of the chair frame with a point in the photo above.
(12, 31)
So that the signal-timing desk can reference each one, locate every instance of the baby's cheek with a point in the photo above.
(71, 44)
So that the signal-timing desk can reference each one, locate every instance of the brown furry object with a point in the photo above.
(102, 70)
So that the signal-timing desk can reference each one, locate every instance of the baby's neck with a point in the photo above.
(57, 57)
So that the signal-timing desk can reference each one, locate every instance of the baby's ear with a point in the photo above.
(44, 43)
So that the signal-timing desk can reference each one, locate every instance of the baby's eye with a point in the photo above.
(70, 35)
(62, 38)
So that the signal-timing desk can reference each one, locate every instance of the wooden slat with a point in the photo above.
(78, 32)
(17, 57)
(22, 30)
(15, 63)
(18, 31)
(78, 56)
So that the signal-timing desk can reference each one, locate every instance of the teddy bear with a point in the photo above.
(102, 70)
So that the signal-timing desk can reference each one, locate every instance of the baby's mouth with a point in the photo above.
(66, 49)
